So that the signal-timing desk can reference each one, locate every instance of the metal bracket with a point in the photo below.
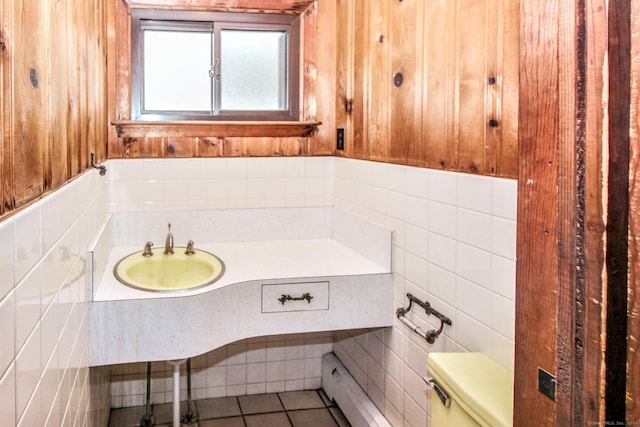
(102, 168)
(430, 335)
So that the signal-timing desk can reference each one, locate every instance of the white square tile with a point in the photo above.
(132, 170)
(236, 374)
(154, 191)
(196, 169)
(7, 256)
(50, 221)
(175, 169)
(474, 192)
(294, 370)
(216, 168)
(7, 325)
(503, 276)
(503, 316)
(502, 351)
(473, 264)
(27, 308)
(416, 391)
(417, 182)
(443, 186)
(474, 301)
(28, 240)
(474, 228)
(442, 219)
(295, 167)
(276, 167)
(442, 283)
(416, 241)
(505, 198)
(237, 168)
(416, 271)
(28, 370)
(472, 335)
(275, 371)
(153, 169)
(8, 401)
(417, 212)
(442, 251)
(503, 239)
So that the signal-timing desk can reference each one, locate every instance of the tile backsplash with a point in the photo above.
(454, 245)
(44, 356)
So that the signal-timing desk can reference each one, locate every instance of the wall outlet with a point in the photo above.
(340, 139)
(547, 384)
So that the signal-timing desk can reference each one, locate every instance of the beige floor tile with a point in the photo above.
(217, 408)
(126, 417)
(278, 419)
(312, 418)
(301, 400)
(222, 422)
(260, 403)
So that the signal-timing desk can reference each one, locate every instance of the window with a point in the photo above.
(214, 66)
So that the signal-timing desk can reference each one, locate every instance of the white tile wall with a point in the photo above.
(43, 306)
(220, 183)
(454, 246)
(252, 366)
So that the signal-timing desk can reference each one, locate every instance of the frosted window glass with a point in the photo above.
(254, 70)
(176, 70)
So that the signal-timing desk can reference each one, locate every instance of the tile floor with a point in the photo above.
(294, 409)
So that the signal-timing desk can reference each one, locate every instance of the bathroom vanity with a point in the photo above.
(286, 271)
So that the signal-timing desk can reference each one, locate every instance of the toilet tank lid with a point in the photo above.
(480, 385)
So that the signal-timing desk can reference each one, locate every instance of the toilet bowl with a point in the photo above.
(469, 389)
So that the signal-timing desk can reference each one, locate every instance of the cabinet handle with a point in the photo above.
(306, 296)
(494, 123)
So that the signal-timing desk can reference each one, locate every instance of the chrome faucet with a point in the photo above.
(168, 242)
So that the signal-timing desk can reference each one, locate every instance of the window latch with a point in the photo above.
(214, 70)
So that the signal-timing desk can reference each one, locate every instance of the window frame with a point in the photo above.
(142, 18)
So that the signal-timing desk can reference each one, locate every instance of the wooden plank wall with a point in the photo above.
(459, 66)
(577, 278)
(54, 95)
(438, 117)
(633, 304)
(318, 85)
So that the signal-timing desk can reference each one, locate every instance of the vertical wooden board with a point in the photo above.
(56, 168)
(596, 46)
(508, 80)
(30, 116)
(209, 147)
(324, 92)
(472, 53)
(74, 76)
(633, 301)
(379, 81)
(180, 147)
(493, 70)
(438, 144)
(5, 116)
(344, 31)
(361, 60)
(405, 38)
(537, 251)
(119, 69)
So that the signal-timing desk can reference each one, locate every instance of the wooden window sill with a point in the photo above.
(194, 129)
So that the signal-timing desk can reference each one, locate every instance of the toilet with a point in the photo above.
(469, 389)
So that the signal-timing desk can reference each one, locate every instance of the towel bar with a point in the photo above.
(430, 335)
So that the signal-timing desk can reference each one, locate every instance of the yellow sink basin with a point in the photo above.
(169, 273)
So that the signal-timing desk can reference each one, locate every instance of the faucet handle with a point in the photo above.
(189, 250)
(147, 249)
